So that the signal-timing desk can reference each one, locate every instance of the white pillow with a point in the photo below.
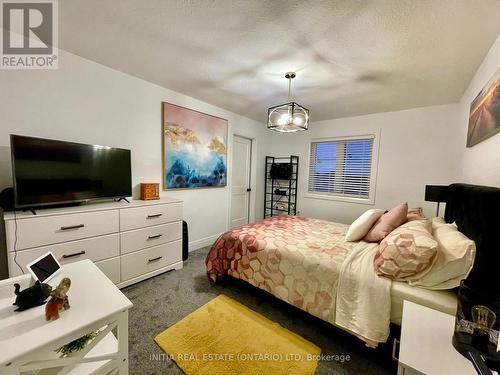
(362, 225)
(454, 261)
(437, 222)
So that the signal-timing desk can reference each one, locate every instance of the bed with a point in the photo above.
(307, 263)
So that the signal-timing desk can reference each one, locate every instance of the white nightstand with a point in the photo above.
(426, 346)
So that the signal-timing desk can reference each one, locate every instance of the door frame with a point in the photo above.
(253, 177)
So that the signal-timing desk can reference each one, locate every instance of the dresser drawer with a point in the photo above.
(111, 268)
(140, 217)
(35, 232)
(95, 249)
(151, 236)
(153, 258)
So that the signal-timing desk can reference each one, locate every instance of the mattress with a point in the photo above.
(441, 300)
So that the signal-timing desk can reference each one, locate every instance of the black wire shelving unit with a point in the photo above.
(280, 194)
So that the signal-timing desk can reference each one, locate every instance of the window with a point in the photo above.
(342, 167)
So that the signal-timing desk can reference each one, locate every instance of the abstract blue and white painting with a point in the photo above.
(194, 149)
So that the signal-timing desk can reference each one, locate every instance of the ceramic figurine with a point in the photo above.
(58, 301)
(35, 295)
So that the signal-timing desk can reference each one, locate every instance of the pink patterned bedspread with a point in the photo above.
(297, 259)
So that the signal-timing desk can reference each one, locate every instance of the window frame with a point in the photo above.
(373, 170)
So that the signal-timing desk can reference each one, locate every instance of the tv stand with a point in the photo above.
(129, 242)
(32, 210)
(122, 199)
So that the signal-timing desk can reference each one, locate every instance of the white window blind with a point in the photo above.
(341, 167)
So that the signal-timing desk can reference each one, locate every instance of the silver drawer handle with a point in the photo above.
(154, 259)
(73, 227)
(155, 237)
(66, 256)
(395, 343)
(153, 216)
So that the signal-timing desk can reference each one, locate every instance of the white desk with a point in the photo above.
(27, 341)
(426, 346)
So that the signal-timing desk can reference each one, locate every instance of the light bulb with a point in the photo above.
(298, 120)
(284, 119)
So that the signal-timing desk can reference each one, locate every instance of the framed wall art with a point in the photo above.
(194, 149)
(484, 118)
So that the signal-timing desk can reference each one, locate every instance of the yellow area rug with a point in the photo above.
(226, 337)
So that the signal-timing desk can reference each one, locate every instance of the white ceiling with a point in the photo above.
(351, 57)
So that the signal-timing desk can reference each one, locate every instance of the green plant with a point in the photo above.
(77, 345)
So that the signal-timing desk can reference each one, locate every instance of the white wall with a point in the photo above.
(87, 102)
(480, 164)
(417, 147)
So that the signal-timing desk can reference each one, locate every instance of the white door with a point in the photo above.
(240, 181)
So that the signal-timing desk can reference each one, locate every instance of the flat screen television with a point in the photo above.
(281, 171)
(49, 172)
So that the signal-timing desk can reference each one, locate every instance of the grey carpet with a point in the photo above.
(163, 300)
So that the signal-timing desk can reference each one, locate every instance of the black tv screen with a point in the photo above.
(281, 171)
(50, 172)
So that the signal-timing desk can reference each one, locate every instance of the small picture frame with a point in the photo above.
(44, 267)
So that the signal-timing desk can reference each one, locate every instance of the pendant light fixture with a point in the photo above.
(290, 117)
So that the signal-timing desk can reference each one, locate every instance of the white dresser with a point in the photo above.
(129, 242)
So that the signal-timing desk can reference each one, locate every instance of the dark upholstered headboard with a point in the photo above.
(476, 210)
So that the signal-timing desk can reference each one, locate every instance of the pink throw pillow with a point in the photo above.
(407, 253)
(387, 223)
(415, 214)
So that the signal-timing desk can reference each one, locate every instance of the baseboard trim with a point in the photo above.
(202, 242)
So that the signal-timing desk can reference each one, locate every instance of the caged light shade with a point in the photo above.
(289, 117)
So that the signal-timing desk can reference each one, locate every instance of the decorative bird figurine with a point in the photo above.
(58, 301)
